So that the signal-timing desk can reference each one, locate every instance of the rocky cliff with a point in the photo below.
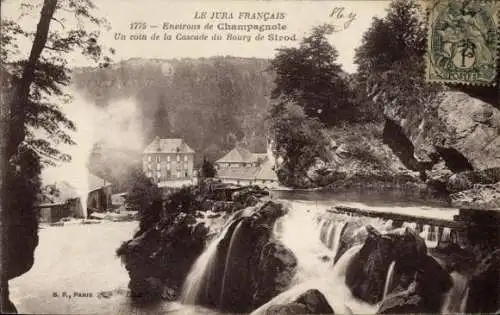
(453, 142)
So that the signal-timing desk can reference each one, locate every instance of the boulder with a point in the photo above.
(484, 292)
(277, 267)
(354, 233)
(367, 273)
(403, 302)
(309, 302)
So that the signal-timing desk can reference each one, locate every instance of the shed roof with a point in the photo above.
(96, 182)
(238, 155)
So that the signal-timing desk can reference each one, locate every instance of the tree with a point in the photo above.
(141, 191)
(310, 77)
(161, 125)
(207, 169)
(34, 88)
(390, 61)
(298, 139)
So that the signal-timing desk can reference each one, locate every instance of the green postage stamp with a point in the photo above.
(463, 41)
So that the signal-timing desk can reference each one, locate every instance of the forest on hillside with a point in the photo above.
(212, 103)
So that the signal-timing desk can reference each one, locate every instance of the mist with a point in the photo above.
(116, 126)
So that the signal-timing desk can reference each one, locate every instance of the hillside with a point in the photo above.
(211, 103)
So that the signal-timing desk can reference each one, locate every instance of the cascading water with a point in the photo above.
(456, 299)
(314, 239)
(389, 278)
(446, 235)
(312, 271)
(229, 254)
(331, 283)
(333, 234)
(203, 269)
(212, 276)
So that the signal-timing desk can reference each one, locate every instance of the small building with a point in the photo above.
(53, 212)
(238, 175)
(63, 203)
(66, 201)
(168, 160)
(240, 157)
(262, 175)
(99, 195)
(242, 167)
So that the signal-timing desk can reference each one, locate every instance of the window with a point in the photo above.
(178, 157)
(158, 174)
(185, 158)
(185, 174)
(178, 174)
(149, 158)
(158, 166)
(168, 166)
(149, 165)
(168, 158)
(157, 158)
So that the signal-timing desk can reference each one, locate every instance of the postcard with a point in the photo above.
(250, 157)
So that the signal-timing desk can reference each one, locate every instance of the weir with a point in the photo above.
(434, 231)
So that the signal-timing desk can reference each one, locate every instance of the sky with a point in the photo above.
(299, 18)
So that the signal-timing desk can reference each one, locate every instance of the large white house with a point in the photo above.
(168, 160)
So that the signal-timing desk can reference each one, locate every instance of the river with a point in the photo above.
(73, 263)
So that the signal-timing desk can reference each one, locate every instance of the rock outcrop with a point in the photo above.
(367, 273)
(159, 259)
(478, 197)
(484, 292)
(309, 302)
(461, 129)
(457, 131)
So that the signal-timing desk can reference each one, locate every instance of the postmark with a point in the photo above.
(463, 42)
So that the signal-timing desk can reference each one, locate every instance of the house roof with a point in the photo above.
(266, 172)
(238, 155)
(168, 146)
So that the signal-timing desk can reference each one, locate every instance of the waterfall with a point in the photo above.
(388, 278)
(332, 285)
(329, 235)
(446, 235)
(202, 269)
(227, 261)
(455, 301)
(430, 234)
(335, 244)
(322, 224)
(410, 225)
